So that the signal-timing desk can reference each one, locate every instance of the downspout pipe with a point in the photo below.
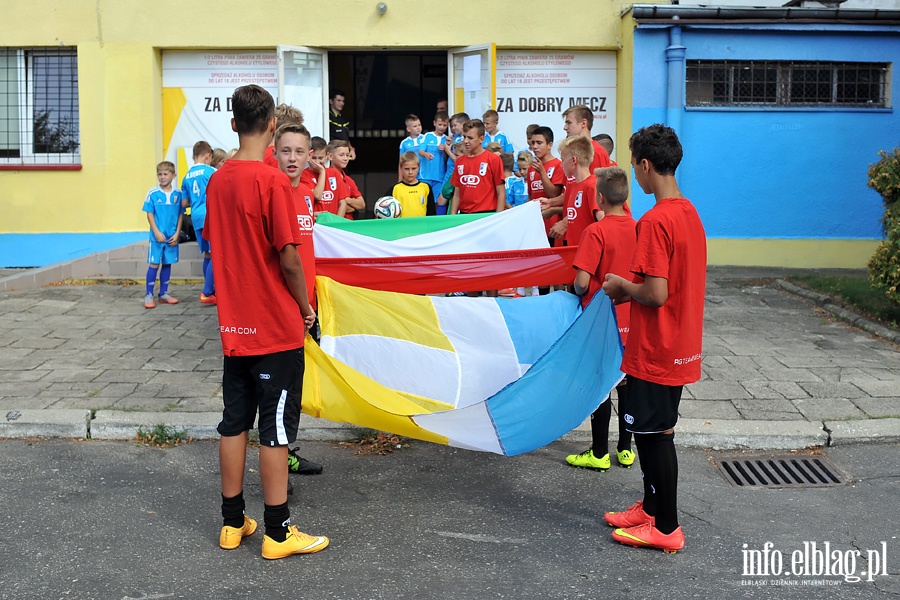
(675, 85)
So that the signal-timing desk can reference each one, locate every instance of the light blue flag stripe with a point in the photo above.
(564, 386)
(536, 322)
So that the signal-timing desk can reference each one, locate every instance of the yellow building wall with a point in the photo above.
(119, 46)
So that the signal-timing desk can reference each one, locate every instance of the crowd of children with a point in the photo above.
(653, 269)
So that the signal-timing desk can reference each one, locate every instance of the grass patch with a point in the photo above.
(856, 294)
(162, 436)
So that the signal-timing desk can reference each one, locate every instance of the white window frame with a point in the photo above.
(314, 116)
(488, 96)
(27, 155)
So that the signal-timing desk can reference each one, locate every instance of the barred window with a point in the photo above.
(39, 106)
(787, 84)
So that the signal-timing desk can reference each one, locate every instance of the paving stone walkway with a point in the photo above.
(768, 355)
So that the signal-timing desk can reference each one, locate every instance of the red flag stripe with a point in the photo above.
(454, 273)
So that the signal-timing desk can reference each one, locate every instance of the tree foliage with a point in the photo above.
(884, 266)
(54, 136)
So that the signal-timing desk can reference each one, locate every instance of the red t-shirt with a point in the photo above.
(250, 219)
(665, 344)
(477, 178)
(607, 247)
(579, 207)
(536, 186)
(335, 191)
(303, 237)
(601, 157)
(269, 157)
(352, 191)
(308, 178)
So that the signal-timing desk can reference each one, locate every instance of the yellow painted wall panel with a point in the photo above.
(336, 24)
(801, 254)
(120, 143)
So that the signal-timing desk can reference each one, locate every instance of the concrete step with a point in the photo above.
(131, 262)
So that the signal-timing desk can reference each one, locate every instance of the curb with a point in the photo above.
(732, 434)
(48, 423)
(124, 425)
(868, 431)
(828, 303)
(111, 425)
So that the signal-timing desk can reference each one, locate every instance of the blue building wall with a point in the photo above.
(774, 173)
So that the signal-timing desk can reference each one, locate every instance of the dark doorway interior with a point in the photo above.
(381, 88)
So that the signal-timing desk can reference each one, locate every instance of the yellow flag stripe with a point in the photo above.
(336, 392)
(368, 312)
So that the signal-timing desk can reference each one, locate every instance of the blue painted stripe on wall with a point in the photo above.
(42, 249)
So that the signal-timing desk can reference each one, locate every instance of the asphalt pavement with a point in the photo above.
(115, 520)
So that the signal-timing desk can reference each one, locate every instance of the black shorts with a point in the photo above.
(649, 407)
(270, 384)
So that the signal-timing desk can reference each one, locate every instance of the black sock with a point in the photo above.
(624, 435)
(600, 429)
(664, 466)
(277, 518)
(667, 485)
(233, 511)
(640, 444)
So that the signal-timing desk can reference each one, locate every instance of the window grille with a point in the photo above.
(39, 106)
(787, 84)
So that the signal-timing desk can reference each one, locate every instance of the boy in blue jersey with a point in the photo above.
(492, 134)
(454, 141)
(414, 139)
(193, 192)
(431, 164)
(165, 214)
(516, 192)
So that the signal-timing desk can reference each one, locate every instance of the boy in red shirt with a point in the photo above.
(580, 202)
(545, 177)
(478, 182)
(606, 247)
(292, 143)
(665, 341)
(313, 176)
(284, 114)
(338, 152)
(251, 222)
(578, 120)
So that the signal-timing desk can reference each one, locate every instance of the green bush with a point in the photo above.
(884, 266)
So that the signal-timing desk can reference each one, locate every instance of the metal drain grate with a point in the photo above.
(780, 471)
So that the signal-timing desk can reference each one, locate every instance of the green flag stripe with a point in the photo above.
(395, 229)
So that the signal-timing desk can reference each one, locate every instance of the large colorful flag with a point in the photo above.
(426, 255)
(514, 229)
(488, 374)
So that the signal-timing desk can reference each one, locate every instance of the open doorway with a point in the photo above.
(381, 88)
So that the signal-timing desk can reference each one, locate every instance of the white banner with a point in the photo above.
(536, 86)
(197, 89)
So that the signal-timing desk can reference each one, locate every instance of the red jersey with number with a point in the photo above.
(335, 191)
(303, 237)
(250, 219)
(477, 178)
(580, 207)
(607, 247)
(536, 189)
(665, 344)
